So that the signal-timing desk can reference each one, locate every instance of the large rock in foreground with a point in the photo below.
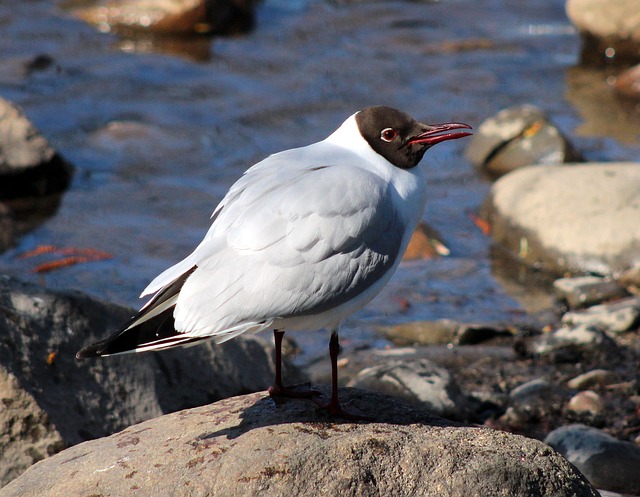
(253, 446)
(581, 217)
(49, 401)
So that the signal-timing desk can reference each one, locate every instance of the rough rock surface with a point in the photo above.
(577, 218)
(252, 446)
(609, 463)
(49, 401)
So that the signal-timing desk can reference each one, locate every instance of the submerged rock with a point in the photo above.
(252, 446)
(569, 218)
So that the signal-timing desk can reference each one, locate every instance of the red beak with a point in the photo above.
(430, 136)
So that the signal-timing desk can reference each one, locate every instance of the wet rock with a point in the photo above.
(65, 402)
(585, 291)
(608, 463)
(518, 136)
(251, 446)
(29, 166)
(567, 343)
(615, 317)
(610, 30)
(627, 83)
(596, 377)
(169, 17)
(419, 382)
(569, 218)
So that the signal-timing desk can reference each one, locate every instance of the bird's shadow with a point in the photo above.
(262, 411)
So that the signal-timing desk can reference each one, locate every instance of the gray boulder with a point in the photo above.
(251, 445)
(50, 401)
(609, 463)
(580, 218)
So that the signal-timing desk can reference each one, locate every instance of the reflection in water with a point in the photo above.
(604, 114)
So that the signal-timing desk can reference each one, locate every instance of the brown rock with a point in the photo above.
(251, 445)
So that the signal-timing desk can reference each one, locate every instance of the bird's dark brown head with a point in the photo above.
(399, 138)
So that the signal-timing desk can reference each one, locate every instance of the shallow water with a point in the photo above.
(158, 133)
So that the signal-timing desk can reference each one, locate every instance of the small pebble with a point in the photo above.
(596, 377)
(585, 291)
(586, 401)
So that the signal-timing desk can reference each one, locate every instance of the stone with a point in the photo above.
(251, 445)
(581, 338)
(537, 387)
(588, 401)
(593, 378)
(608, 463)
(615, 317)
(29, 166)
(584, 291)
(610, 30)
(65, 402)
(515, 137)
(589, 226)
(420, 382)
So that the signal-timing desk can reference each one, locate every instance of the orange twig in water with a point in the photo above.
(40, 249)
(67, 261)
(71, 251)
(484, 226)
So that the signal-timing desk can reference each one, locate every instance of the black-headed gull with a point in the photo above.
(302, 240)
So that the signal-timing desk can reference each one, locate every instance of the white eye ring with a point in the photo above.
(388, 134)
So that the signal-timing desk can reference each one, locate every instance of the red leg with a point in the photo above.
(333, 407)
(278, 389)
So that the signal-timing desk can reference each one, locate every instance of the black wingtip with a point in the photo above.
(93, 350)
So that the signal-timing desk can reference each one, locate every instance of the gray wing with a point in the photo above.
(289, 242)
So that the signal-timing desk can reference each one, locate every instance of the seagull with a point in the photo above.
(303, 239)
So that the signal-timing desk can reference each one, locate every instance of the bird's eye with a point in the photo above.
(388, 134)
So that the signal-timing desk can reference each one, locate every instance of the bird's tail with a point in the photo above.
(152, 328)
